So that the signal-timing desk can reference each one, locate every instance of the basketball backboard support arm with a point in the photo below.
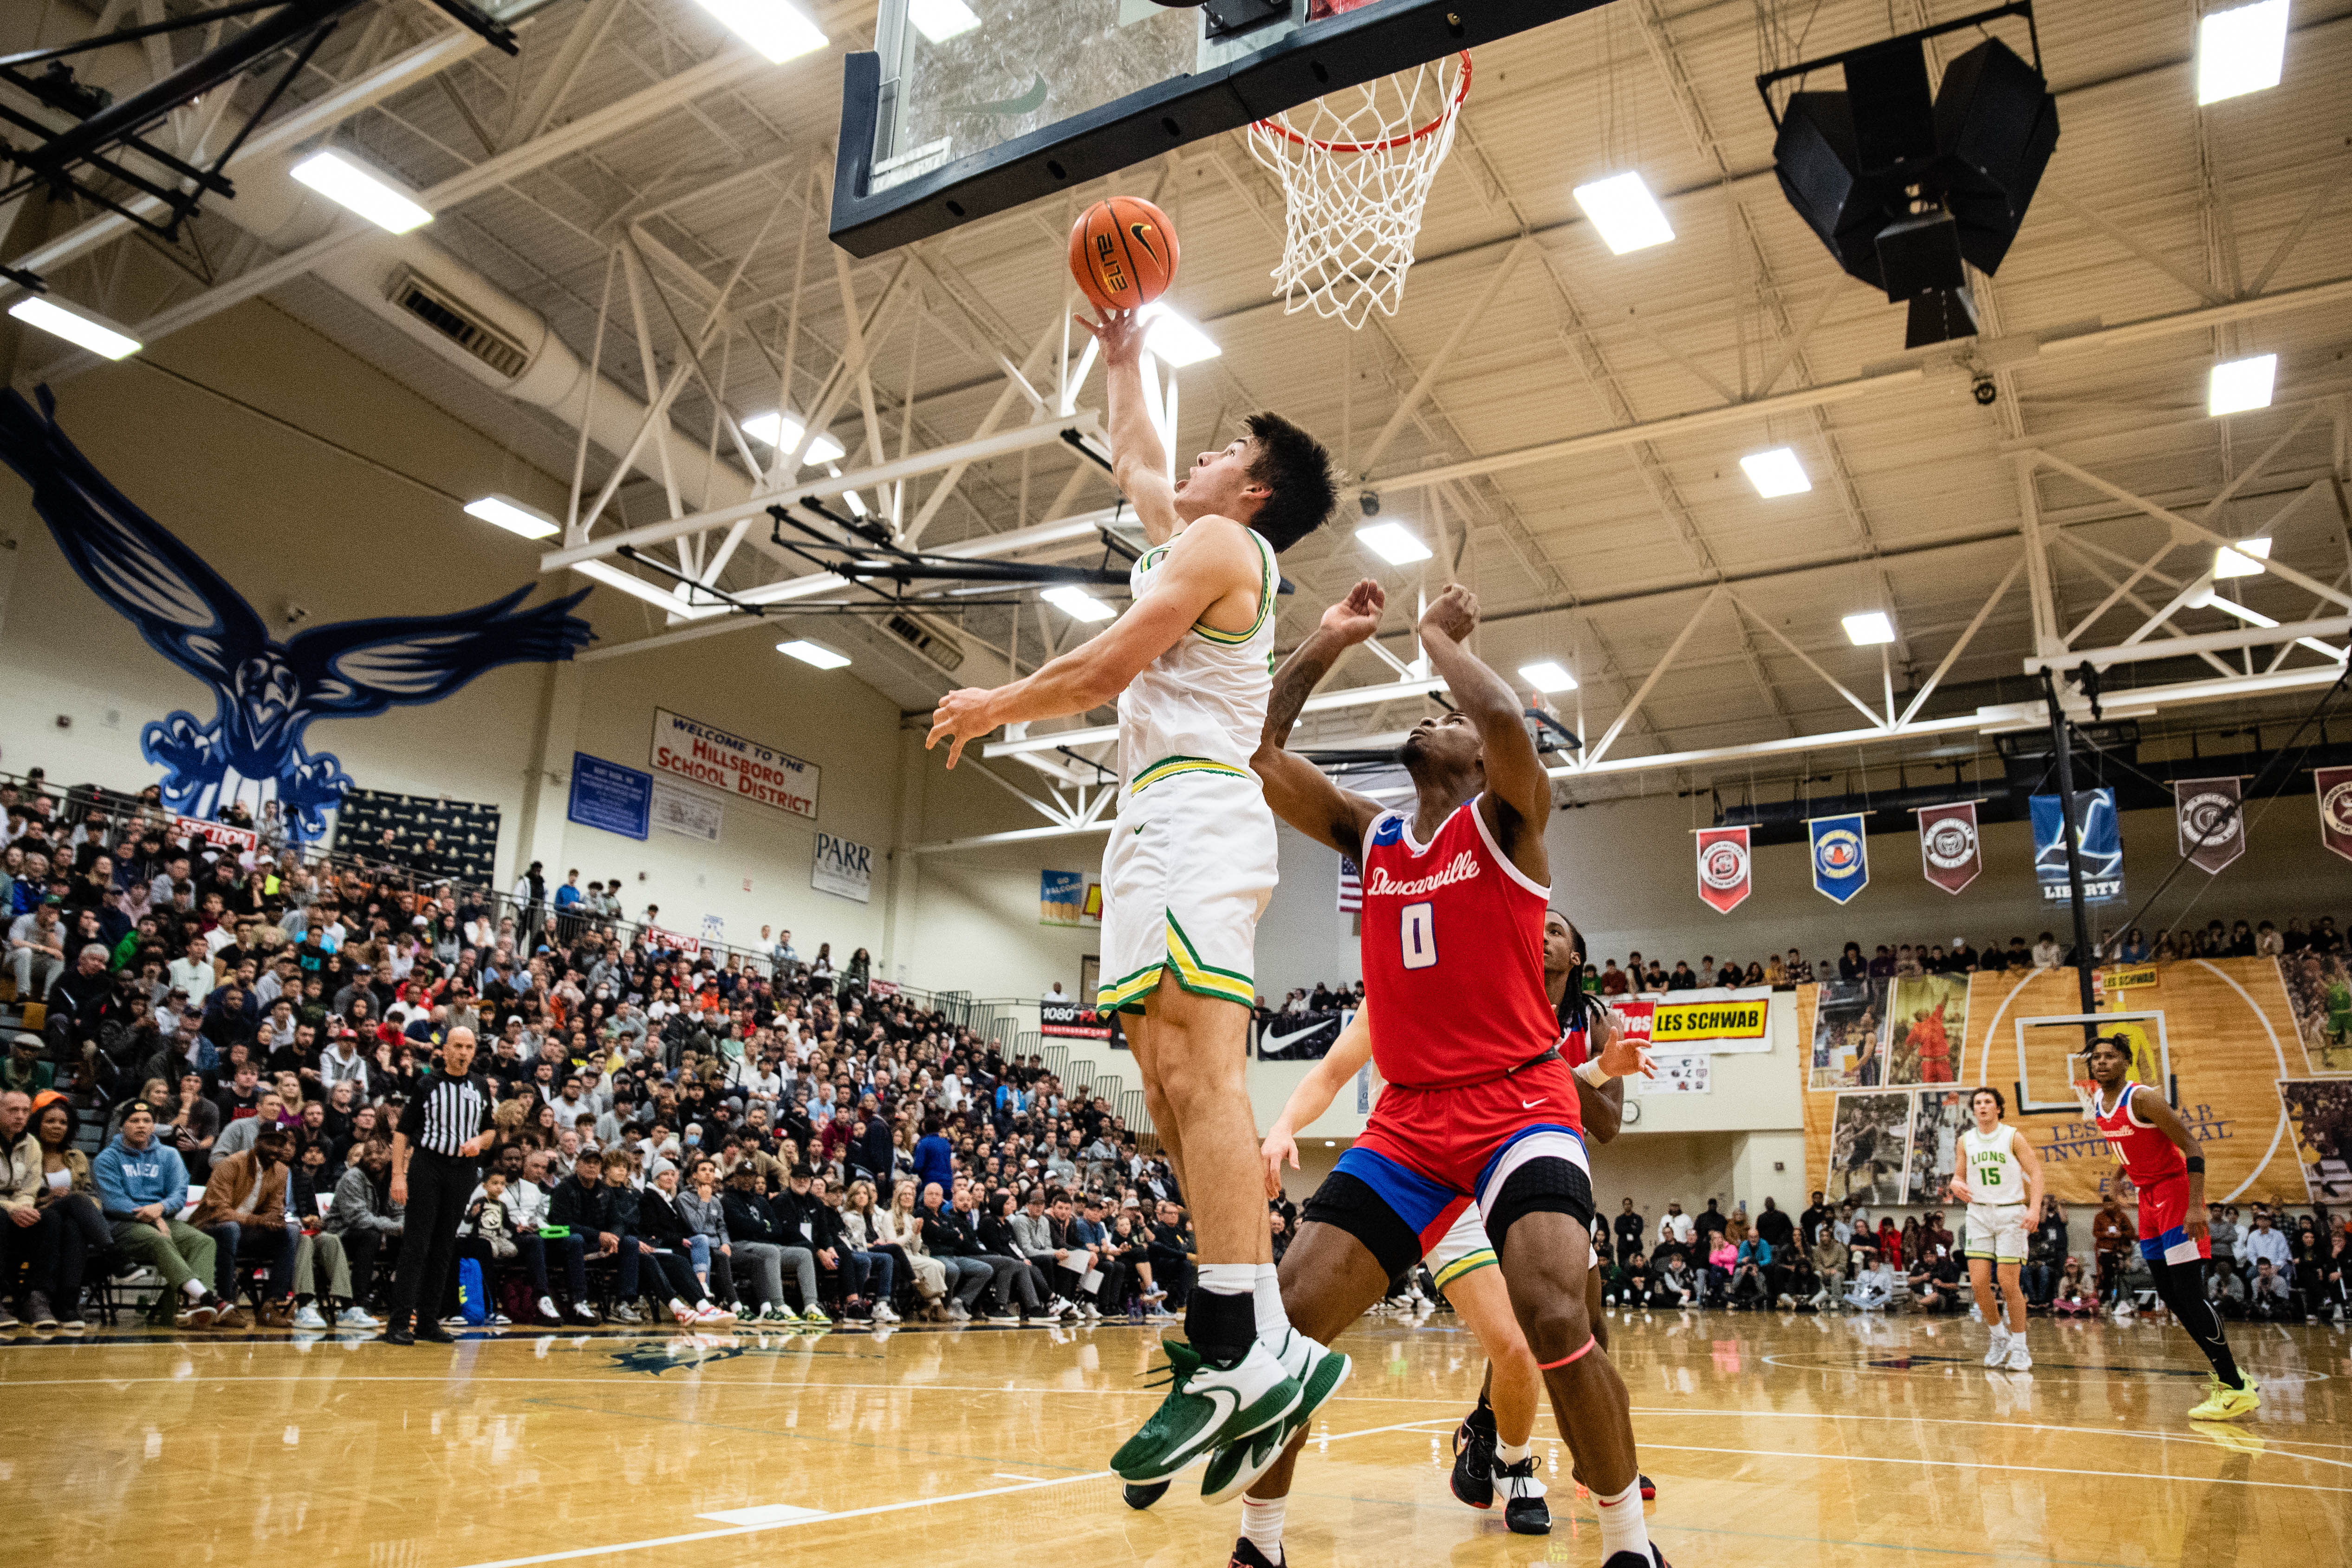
(1194, 87)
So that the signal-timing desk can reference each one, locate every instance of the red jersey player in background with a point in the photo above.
(2156, 1152)
(1480, 1104)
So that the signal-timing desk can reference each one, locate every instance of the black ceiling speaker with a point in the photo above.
(1904, 185)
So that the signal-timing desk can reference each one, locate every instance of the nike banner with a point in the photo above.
(1301, 1036)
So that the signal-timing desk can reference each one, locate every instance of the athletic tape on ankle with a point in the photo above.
(1572, 1355)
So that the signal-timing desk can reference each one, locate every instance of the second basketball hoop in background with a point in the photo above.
(1123, 253)
(1356, 167)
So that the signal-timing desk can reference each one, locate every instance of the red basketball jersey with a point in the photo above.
(2146, 1154)
(1452, 954)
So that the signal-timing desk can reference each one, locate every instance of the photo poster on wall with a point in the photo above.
(1870, 1147)
(1061, 897)
(842, 869)
(1928, 1019)
(606, 795)
(1677, 1075)
(685, 813)
(1937, 1120)
(1848, 1017)
(2319, 989)
(2319, 1111)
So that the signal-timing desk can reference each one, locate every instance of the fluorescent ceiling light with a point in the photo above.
(1077, 604)
(513, 516)
(1869, 628)
(1173, 339)
(2240, 50)
(2241, 384)
(1776, 473)
(783, 432)
(777, 30)
(2246, 560)
(940, 20)
(814, 653)
(85, 329)
(1626, 214)
(345, 181)
(1393, 542)
(1548, 676)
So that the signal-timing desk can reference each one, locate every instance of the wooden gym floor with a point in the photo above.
(1776, 1440)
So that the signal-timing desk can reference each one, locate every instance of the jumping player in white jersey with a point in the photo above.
(1189, 869)
(1999, 1178)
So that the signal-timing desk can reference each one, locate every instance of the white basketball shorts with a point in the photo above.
(1997, 1231)
(1463, 1250)
(1187, 873)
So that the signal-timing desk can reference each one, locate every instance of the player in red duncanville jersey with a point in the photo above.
(1480, 1105)
(2157, 1151)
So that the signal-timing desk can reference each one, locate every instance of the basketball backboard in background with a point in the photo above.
(966, 107)
(2050, 1074)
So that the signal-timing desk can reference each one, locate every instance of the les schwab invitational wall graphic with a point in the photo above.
(266, 692)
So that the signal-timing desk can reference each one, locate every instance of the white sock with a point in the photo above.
(1229, 1279)
(1262, 1525)
(1623, 1528)
(1999, 1332)
(1272, 1320)
(1512, 1452)
(194, 1288)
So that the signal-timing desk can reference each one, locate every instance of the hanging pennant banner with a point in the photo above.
(2098, 843)
(2335, 787)
(1841, 860)
(2212, 828)
(1947, 844)
(1723, 867)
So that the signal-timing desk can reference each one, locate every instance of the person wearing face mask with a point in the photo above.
(244, 1210)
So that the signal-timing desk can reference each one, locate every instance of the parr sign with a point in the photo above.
(685, 749)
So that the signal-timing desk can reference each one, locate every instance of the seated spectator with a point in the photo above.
(364, 1217)
(2270, 1296)
(1674, 1286)
(766, 1251)
(2077, 1293)
(71, 1231)
(664, 1239)
(142, 1187)
(581, 1223)
(244, 1211)
(2225, 1289)
(1801, 1286)
(900, 1227)
(1874, 1287)
(1934, 1282)
(2045, 1254)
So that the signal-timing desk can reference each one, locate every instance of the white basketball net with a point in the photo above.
(1356, 167)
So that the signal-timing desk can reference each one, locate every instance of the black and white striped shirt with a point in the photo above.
(447, 1115)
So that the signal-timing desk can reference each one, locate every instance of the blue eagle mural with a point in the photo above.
(266, 692)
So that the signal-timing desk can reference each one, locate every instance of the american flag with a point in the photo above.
(1351, 887)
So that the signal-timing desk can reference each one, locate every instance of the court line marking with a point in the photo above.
(1008, 1476)
(2193, 1437)
(1986, 1464)
(901, 1507)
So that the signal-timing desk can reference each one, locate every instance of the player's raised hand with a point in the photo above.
(962, 715)
(1620, 1055)
(1278, 1146)
(1452, 615)
(1357, 617)
(1120, 333)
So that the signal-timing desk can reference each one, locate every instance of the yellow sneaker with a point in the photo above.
(2228, 1403)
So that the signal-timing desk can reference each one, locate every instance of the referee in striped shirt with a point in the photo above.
(436, 1159)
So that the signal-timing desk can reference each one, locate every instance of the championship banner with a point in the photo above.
(1723, 867)
(2098, 842)
(2212, 828)
(1841, 860)
(2334, 788)
(1949, 852)
(1712, 1019)
(1068, 1020)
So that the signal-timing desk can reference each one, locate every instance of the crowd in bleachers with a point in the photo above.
(212, 1043)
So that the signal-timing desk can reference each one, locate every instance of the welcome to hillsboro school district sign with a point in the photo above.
(744, 769)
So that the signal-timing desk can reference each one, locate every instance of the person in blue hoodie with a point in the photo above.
(142, 1187)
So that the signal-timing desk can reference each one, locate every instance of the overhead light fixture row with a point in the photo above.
(1776, 473)
(777, 29)
(2241, 384)
(83, 329)
(1548, 676)
(505, 511)
(813, 653)
(2241, 51)
(1869, 628)
(344, 179)
(1626, 214)
(783, 432)
(1393, 543)
(1077, 602)
(2243, 559)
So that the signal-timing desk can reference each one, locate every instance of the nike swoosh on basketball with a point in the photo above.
(1141, 231)
(1275, 1042)
(1531, 1104)
(1028, 102)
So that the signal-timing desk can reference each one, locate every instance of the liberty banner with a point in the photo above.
(1841, 859)
(2212, 828)
(1949, 853)
(1723, 867)
(2098, 841)
(2335, 787)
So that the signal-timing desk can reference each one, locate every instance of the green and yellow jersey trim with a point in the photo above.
(1169, 767)
(1127, 993)
(1265, 598)
(1469, 1263)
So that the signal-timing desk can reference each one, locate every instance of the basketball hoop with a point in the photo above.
(1356, 168)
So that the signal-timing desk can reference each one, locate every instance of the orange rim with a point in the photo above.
(1460, 91)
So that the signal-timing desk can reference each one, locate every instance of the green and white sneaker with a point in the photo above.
(1319, 1371)
(813, 1313)
(1206, 1406)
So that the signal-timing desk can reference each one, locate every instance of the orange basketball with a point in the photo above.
(1123, 253)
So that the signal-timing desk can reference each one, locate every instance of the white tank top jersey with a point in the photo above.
(1200, 706)
(1993, 1175)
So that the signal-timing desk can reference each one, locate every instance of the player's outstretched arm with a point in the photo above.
(2151, 1107)
(1518, 790)
(1138, 462)
(1296, 788)
(1213, 558)
(1314, 1095)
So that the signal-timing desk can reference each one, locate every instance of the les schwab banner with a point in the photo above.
(686, 748)
(1715, 1019)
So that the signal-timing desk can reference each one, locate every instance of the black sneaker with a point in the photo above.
(1657, 1559)
(1247, 1555)
(1473, 1465)
(1140, 1496)
(1649, 1490)
(433, 1334)
(1524, 1509)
